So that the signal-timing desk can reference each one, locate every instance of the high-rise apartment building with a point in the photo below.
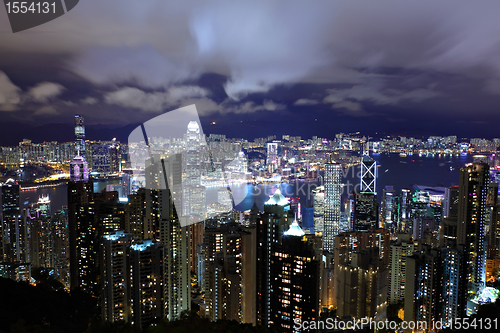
(14, 232)
(229, 274)
(295, 272)
(271, 226)
(473, 190)
(115, 275)
(399, 252)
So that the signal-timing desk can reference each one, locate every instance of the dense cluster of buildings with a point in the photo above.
(429, 251)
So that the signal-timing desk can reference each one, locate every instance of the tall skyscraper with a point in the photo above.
(399, 253)
(272, 156)
(365, 211)
(79, 170)
(319, 208)
(361, 273)
(423, 300)
(389, 209)
(229, 274)
(271, 226)
(14, 233)
(368, 179)
(90, 216)
(115, 276)
(295, 271)
(193, 157)
(147, 283)
(333, 191)
(473, 191)
(79, 136)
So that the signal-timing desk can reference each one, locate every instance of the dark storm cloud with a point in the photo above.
(133, 54)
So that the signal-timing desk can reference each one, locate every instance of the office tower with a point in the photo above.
(389, 210)
(79, 136)
(319, 208)
(115, 277)
(14, 233)
(194, 194)
(400, 251)
(193, 158)
(79, 170)
(405, 212)
(361, 273)
(147, 283)
(333, 191)
(271, 226)
(272, 156)
(101, 158)
(114, 157)
(365, 211)
(368, 179)
(229, 274)
(295, 272)
(473, 190)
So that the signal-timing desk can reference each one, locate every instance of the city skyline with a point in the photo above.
(252, 166)
(404, 73)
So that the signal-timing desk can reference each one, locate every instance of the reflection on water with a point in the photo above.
(414, 170)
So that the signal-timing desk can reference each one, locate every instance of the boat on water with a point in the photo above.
(402, 155)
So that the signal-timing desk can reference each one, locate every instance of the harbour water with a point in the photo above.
(399, 172)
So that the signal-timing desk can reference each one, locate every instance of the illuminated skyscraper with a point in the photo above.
(272, 156)
(333, 191)
(365, 211)
(361, 273)
(319, 208)
(14, 233)
(473, 190)
(147, 280)
(399, 252)
(193, 157)
(229, 274)
(368, 179)
(79, 170)
(79, 136)
(271, 226)
(90, 216)
(295, 271)
(389, 208)
(115, 277)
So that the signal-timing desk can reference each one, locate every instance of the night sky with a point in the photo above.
(257, 68)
